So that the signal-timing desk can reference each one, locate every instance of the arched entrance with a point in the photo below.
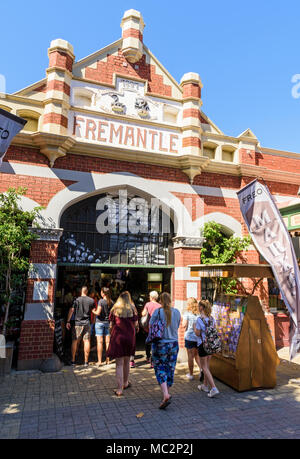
(116, 238)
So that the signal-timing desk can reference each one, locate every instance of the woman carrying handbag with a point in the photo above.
(163, 334)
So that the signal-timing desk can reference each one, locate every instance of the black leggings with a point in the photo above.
(148, 350)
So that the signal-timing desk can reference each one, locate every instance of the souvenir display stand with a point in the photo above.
(248, 359)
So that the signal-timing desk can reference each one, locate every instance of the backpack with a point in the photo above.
(212, 342)
(156, 330)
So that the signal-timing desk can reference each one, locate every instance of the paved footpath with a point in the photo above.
(79, 403)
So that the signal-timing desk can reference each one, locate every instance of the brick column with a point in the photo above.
(187, 251)
(37, 329)
(57, 98)
(191, 119)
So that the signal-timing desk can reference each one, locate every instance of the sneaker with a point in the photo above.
(86, 364)
(214, 391)
(132, 364)
(73, 364)
(190, 377)
(203, 388)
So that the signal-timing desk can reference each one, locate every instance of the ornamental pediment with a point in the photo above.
(129, 98)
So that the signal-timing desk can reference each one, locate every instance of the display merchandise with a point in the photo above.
(229, 318)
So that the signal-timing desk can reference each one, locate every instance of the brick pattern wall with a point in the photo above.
(37, 336)
(61, 60)
(182, 258)
(36, 339)
(118, 64)
(269, 161)
(40, 189)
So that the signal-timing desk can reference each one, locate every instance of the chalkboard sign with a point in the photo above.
(58, 339)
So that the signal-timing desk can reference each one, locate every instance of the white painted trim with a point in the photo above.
(99, 183)
(39, 311)
(180, 305)
(182, 274)
(228, 223)
(42, 271)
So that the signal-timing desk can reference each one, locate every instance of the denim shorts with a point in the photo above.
(102, 329)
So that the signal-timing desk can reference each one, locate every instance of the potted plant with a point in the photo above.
(15, 242)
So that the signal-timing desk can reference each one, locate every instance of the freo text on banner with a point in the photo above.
(273, 241)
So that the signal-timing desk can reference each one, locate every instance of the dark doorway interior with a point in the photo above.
(138, 281)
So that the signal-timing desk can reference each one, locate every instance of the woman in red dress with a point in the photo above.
(124, 324)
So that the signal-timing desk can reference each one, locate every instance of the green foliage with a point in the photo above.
(219, 248)
(15, 241)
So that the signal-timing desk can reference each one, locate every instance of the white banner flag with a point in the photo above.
(10, 125)
(273, 241)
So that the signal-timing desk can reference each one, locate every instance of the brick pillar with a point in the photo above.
(57, 97)
(132, 25)
(187, 251)
(191, 119)
(37, 329)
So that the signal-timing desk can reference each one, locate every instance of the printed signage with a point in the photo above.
(124, 135)
(273, 241)
(10, 125)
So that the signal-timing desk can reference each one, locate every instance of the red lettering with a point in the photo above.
(161, 142)
(116, 132)
(129, 134)
(153, 133)
(90, 127)
(101, 130)
(140, 138)
(77, 119)
(173, 137)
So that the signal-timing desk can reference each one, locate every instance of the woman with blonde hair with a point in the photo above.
(164, 351)
(204, 320)
(190, 339)
(123, 320)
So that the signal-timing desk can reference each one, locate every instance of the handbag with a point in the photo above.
(145, 321)
(156, 330)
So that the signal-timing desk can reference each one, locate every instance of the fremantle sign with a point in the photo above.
(124, 135)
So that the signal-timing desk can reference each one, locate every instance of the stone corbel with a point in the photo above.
(47, 234)
(53, 146)
(193, 165)
(180, 242)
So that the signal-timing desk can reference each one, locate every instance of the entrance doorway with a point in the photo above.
(118, 240)
(138, 281)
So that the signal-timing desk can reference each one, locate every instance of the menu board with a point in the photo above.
(229, 313)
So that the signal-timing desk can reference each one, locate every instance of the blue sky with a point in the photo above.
(246, 52)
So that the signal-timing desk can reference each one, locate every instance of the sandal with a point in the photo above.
(117, 393)
(165, 403)
(127, 387)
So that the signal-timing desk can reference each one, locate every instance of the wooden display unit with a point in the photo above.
(253, 363)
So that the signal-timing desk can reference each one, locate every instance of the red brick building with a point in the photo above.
(117, 121)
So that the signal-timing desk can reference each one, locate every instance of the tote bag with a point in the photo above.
(156, 330)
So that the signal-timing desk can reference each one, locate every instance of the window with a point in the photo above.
(32, 119)
(209, 150)
(82, 97)
(81, 243)
(228, 153)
